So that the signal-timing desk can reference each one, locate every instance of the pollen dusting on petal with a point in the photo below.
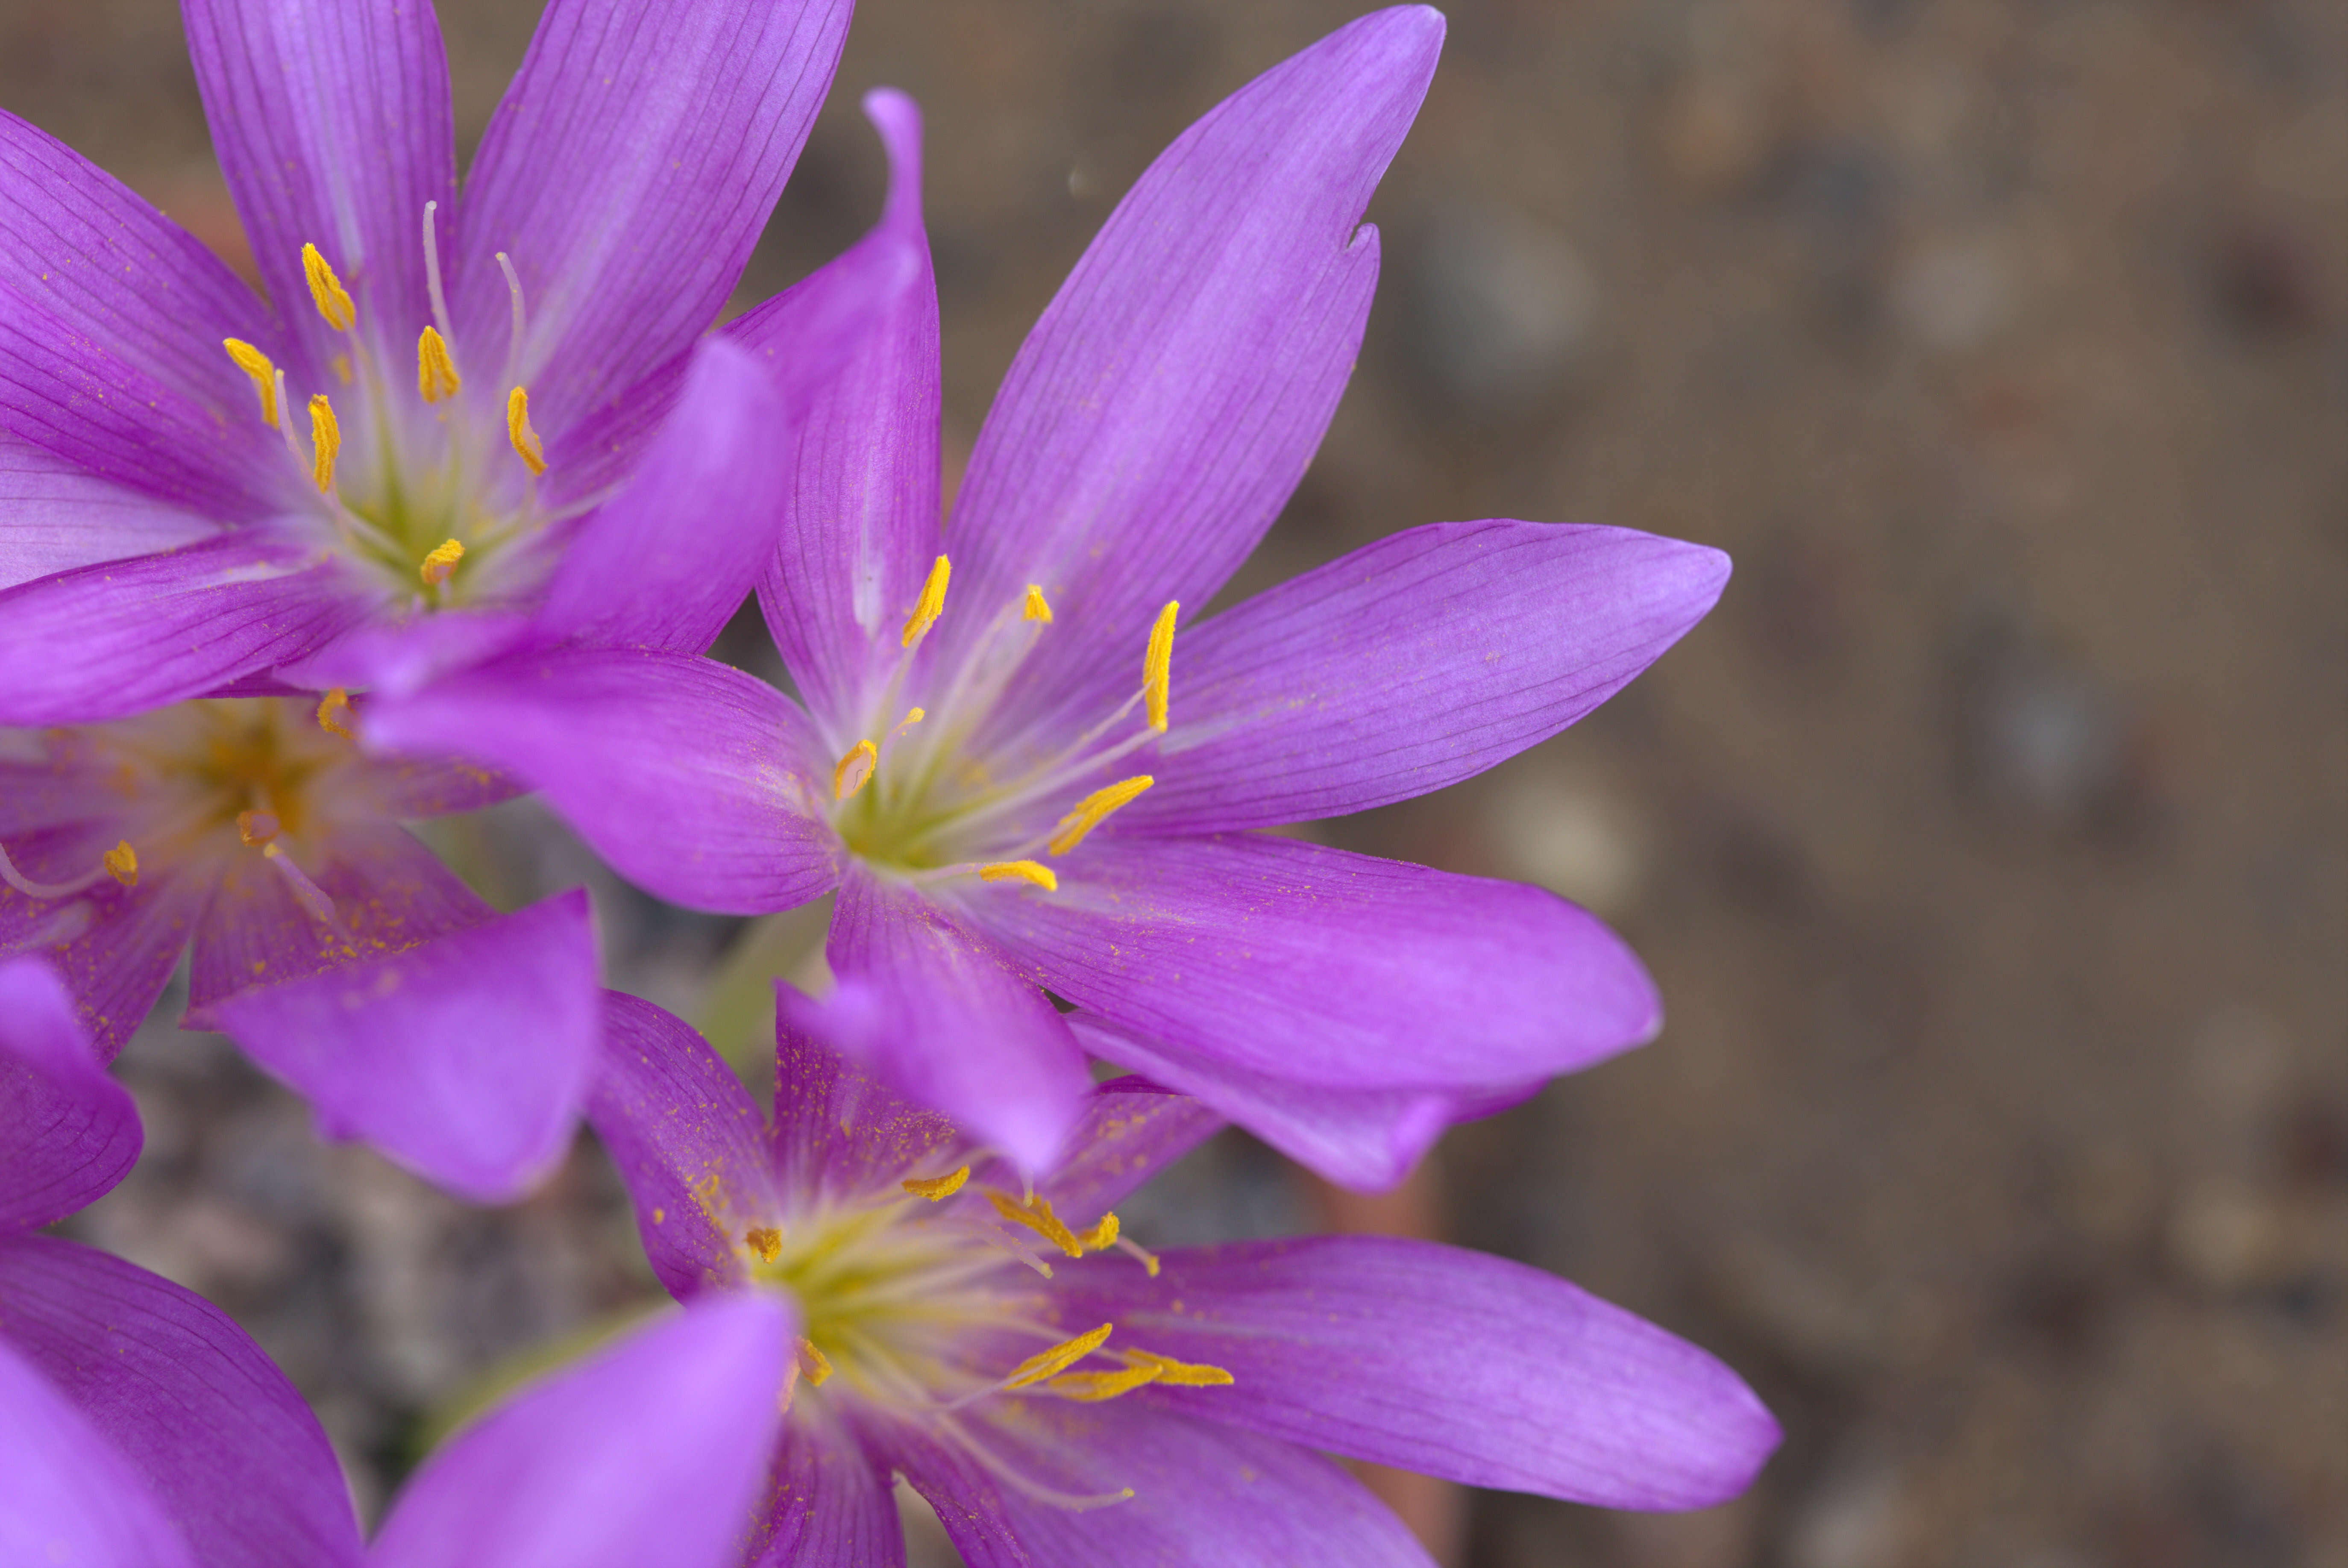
(1158, 665)
(937, 1188)
(526, 444)
(1101, 1237)
(1038, 607)
(334, 713)
(333, 300)
(813, 1365)
(326, 441)
(441, 561)
(436, 372)
(1037, 1215)
(854, 770)
(1093, 809)
(254, 829)
(255, 364)
(766, 1240)
(342, 368)
(1057, 1359)
(1034, 873)
(121, 864)
(930, 604)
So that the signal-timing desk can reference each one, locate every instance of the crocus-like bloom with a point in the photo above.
(457, 425)
(1025, 773)
(143, 1429)
(1065, 1396)
(335, 948)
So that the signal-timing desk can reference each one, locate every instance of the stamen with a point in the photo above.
(813, 1365)
(1057, 1359)
(432, 268)
(307, 893)
(255, 364)
(435, 373)
(1030, 871)
(1101, 1236)
(441, 561)
(937, 1188)
(854, 770)
(1038, 608)
(766, 1240)
(334, 713)
(1089, 812)
(333, 300)
(1181, 1374)
(1091, 1387)
(325, 441)
(121, 864)
(525, 440)
(127, 876)
(913, 716)
(1158, 665)
(254, 829)
(930, 604)
(1037, 1215)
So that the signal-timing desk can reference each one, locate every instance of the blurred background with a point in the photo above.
(1990, 842)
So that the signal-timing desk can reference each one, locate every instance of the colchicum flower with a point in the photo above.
(144, 1429)
(1024, 772)
(463, 425)
(1065, 1396)
(333, 946)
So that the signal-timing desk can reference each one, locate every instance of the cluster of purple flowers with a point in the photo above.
(272, 585)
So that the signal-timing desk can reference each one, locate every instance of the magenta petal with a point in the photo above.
(1306, 964)
(1412, 664)
(686, 1140)
(466, 1060)
(393, 653)
(827, 1505)
(691, 779)
(838, 1131)
(666, 562)
(330, 121)
(649, 1452)
(56, 515)
(65, 1496)
(860, 526)
(1129, 1133)
(68, 1131)
(115, 947)
(134, 635)
(1167, 404)
(627, 174)
(939, 1014)
(210, 1425)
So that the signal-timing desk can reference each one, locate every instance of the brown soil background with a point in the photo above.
(1990, 842)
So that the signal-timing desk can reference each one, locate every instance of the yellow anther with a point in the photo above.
(1091, 1387)
(1101, 1236)
(1158, 665)
(121, 864)
(435, 373)
(333, 300)
(1089, 812)
(1037, 1215)
(525, 440)
(766, 1240)
(1057, 1359)
(255, 364)
(1181, 1374)
(1148, 1259)
(325, 441)
(913, 716)
(854, 770)
(937, 1188)
(334, 713)
(1038, 607)
(441, 561)
(930, 604)
(254, 829)
(1031, 872)
(813, 1365)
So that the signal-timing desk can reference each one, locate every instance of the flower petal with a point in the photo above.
(1443, 1361)
(466, 1060)
(1411, 663)
(650, 1453)
(1131, 1132)
(394, 653)
(332, 124)
(828, 1504)
(110, 329)
(1311, 964)
(860, 524)
(210, 1425)
(115, 947)
(939, 1014)
(627, 175)
(838, 1131)
(1167, 404)
(65, 1496)
(693, 779)
(56, 515)
(68, 1131)
(687, 1142)
(128, 636)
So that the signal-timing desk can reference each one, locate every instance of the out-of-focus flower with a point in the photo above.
(1021, 777)
(1065, 1396)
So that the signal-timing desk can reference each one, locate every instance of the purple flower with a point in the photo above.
(145, 1430)
(457, 426)
(332, 945)
(1064, 1396)
(1024, 773)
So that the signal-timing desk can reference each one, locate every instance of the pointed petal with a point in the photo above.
(110, 328)
(56, 515)
(1306, 964)
(1415, 663)
(114, 946)
(691, 779)
(332, 124)
(860, 526)
(840, 1132)
(68, 1131)
(1443, 1361)
(687, 1142)
(627, 174)
(1167, 402)
(827, 1505)
(219, 1436)
(65, 1496)
(467, 1059)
